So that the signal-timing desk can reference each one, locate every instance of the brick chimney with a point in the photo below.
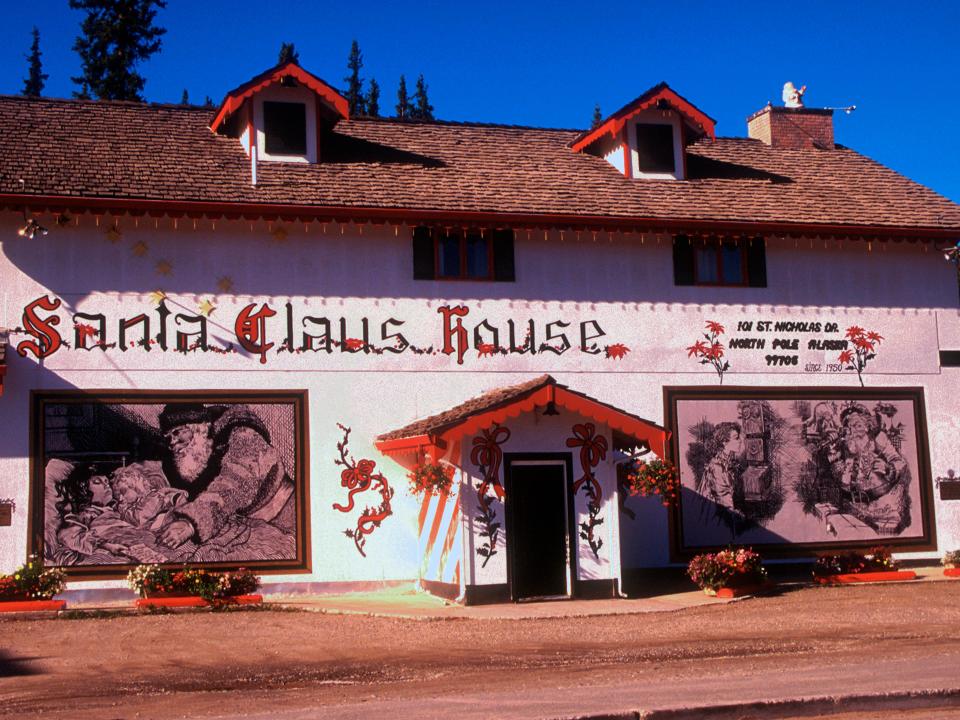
(792, 128)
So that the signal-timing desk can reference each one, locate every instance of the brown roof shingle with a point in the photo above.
(154, 152)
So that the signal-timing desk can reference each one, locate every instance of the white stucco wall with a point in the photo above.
(620, 285)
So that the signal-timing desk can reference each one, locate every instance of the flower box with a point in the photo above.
(169, 600)
(867, 577)
(952, 572)
(727, 593)
(25, 605)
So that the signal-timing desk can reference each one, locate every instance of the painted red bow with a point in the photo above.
(357, 480)
(487, 455)
(593, 449)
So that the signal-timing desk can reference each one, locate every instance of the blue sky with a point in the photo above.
(548, 63)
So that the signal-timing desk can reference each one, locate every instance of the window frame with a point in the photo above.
(462, 252)
(268, 135)
(740, 244)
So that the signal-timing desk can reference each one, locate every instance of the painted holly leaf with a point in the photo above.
(616, 351)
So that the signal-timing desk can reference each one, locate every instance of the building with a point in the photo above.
(232, 335)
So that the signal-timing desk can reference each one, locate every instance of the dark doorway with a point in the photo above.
(538, 529)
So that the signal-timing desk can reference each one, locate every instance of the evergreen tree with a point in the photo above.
(354, 82)
(422, 110)
(288, 53)
(115, 36)
(185, 98)
(36, 78)
(597, 117)
(373, 99)
(403, 100)
(208, 102)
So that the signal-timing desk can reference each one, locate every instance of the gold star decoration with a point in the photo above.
(114, 235)
(140, 249)
(157, 297)
(206, 307)
(280, 235)
(225, 284)
(164, 267)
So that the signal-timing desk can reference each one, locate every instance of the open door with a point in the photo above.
(539, 543)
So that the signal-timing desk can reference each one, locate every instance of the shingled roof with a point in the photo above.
(70, 152)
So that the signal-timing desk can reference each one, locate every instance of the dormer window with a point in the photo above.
(281, 115)
(285, 128)
(647, 138)
(655, 148)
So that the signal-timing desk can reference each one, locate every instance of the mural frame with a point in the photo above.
(926, 541)
(39, 399)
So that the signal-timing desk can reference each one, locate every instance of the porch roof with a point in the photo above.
(434, 433)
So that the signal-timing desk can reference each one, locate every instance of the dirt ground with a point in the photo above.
(291, 665)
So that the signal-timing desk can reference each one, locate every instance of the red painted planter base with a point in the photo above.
(952, 572)
(735, 592)
(196, 601)
(868, 577)
(32, 605)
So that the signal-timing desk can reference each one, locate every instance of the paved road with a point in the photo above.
(293, 665)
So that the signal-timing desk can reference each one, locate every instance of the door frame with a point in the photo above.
(565, 460)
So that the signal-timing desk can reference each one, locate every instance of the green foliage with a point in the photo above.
(422, 109)
(403, 100)
(288, 53)
(36, 78)
(149, 580)
(185, 98)
(115, 36)
(727, 568)
(951, 558)
(597, 117)
(430, 478)
(354, 82)
(877, 559)
(373, 99)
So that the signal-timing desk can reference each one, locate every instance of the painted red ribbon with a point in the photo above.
(593, 449)
(487, 455)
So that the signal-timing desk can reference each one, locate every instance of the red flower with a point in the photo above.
(715, 327)
(85, 331)
(698, 348)
(486, 349)
(862, 343)
(617, 351)
(846, 357)
(715, 352)
(354, 343)
(876, 337)
(854, 331)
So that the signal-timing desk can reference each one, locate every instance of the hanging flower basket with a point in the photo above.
(31, 587)
(192, 587)
(853, 567)
(657, 477)
(430, 479)
(728, 573)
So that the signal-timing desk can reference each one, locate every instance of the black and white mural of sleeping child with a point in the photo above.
(220, 492)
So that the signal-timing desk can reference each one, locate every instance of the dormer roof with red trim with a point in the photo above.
(337, 105)
(660, 96)
(501, 404)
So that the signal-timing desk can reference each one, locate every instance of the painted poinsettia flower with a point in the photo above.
(862, 343)
(874, 336)
(715, 327)
(715, 352)
(846, 357)
(854, 331)
(698, 348)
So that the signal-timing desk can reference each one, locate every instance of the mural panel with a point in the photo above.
(121, 479)
(792, 471)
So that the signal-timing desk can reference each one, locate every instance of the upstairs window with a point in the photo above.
(285, 128)
(655, 152)
(720, 262)
(455, 254)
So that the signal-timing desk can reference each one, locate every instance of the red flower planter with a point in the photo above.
(181, 601)
(735, 592)
(867, 577)
(952, 572)
(26, 605)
